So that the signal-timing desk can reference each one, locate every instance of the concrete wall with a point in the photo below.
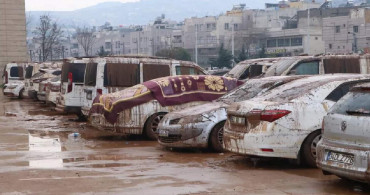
(12, 32)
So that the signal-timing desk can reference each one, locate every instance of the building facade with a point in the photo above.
(13, 45)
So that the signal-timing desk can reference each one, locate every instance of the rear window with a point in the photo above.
(29, 71)
(306, 68)
(354, 103)
(16, 71)
(342, 65)
(90, 76)
(251, 72)
(186, 70)
(121, 75)
(77, 70)
(153, 71)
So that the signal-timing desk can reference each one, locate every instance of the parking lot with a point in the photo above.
(40, 155)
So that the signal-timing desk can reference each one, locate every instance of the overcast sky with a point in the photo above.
(64, 5)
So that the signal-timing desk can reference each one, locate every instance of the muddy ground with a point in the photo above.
(38, 156)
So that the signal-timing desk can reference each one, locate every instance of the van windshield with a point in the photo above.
(90, 76)
(77, 70)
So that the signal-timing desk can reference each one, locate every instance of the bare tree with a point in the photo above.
(86, 39)
(48, 34)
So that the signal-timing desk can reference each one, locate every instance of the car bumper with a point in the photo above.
(41, 96)
(100, 123)
(193, 135)
(265, 143)
(359, 171)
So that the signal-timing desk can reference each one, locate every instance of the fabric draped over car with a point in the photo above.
(168, 91)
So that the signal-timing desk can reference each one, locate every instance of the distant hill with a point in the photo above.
(145, 11)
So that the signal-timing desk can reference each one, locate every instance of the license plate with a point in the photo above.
(163, 133)
(237, 120)
(340, 157)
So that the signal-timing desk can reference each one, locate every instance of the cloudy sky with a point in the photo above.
(64, 5)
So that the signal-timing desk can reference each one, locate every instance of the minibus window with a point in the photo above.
(153, 71)
(90, 76)
(121, 75)
(16, 71)
(77, 70)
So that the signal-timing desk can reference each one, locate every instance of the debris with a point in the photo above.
(10, 114)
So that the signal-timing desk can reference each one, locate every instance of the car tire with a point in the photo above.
(20, 96)
(309, 148)
(216, 137)
(151, 126)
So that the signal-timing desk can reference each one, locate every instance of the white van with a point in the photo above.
(111, 74)
(13, 79)
(72, 81)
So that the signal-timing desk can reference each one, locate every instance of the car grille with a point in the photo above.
(170, 139)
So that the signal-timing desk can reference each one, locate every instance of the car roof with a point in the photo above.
(300, 87)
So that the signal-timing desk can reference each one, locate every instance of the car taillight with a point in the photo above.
(6, 77)
(268, 115)
(70, 82)
(99, 92)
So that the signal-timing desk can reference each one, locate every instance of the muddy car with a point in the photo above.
(202, 126)
(13, 80)
(139, 109)
(52, 90)
(251, 68)
(111, 74)
(39, 83)
(286, 121)
(344, 147)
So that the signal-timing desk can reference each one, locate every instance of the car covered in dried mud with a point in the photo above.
(344, 149)
(286, 121)
(52, 90)
(139, 109)
(13, 80)
(39, 83)
(202, 126)
(251, 68)
(112, 74)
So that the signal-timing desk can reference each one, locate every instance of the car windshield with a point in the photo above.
(254, 87)
(279, 67)
(354, 103)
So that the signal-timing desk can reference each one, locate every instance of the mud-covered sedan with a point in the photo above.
(202, 126)
(286, 121)
(345, 145)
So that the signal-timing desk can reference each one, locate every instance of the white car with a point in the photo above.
(286, 121)
(53, 90)
(13, 80)
(202, 126)
(345, 144)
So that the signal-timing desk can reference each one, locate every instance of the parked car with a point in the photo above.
(315, 65)
(31, 70)
(13, 80)
(345, 144)
(139, 109)
(251, 68)
(53, 89)
(202, 126)
(37, 83)
(111, 74)
(286, 121)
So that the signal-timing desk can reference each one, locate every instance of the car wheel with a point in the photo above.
(216, 139)
(20, 96)
(309, 148)
(151, 127)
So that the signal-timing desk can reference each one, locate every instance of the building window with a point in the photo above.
(283, 42)
(355, 29)
(330, 46)
(227, 26)
(108, 45)
(236, 26)
(271, 43)
(296, 41)
(337, 29)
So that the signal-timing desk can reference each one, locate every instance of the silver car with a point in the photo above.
(344, 149)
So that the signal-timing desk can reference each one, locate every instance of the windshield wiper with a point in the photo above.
(358, 112)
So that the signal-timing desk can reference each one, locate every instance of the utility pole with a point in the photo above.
(308, 31)
(196, 43)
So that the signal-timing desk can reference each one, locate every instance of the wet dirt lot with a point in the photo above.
(38, 157)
